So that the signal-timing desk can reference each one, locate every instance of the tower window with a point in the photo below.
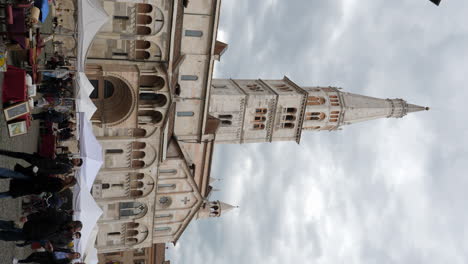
(314, 100)
(261, 110)
(334, 100)
(287, 125)
(193, 33)
(289, 117)
(226, 123)
(254, 87)
(259, 118)
(258, 126)
(290, 110)
(315, 116)
(225, 116)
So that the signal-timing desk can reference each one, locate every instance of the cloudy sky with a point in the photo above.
(385, 191)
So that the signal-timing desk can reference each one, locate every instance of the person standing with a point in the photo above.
(22, 184)
(44, 165)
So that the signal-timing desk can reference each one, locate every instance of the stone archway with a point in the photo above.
(113, 98)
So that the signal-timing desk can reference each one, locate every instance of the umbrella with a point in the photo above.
(91, 153)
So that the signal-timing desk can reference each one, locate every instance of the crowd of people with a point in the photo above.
(49, 227)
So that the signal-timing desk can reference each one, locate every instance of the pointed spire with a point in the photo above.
(416, 108)
(226, 207)
(358, 108)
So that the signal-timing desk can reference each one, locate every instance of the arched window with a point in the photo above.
(143, 30)
(315, 116)
(334, 100)
(225, 116)
(138, 154)
(289, 117)
(314, 100)
(149, 117)
(258, 126)
(334, 116)
(151, 81)
(261, 110)
(144, 8)
(226, 122)
(136, 193)
(142, 55)
(105, 186)
(138, 132)
(138, 164)
(290, 110)
(138, 145)
(142, 44)
(260, 118)
(157, 100)
(193, 33)
(144, 20)
(287, 125)
(129, 209)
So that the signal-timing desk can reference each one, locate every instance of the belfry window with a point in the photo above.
(261, 110)
(290, 110)
(315, 116)
(287, 125)
(315, 100)
(258, 126)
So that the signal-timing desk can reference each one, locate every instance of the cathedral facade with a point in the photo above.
(160, 113)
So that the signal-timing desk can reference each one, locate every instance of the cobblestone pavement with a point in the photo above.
(10, 208)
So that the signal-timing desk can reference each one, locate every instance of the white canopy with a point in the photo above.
(83, 89)
(88, 212)
(85, 208)
(91, 17)
(90, 152)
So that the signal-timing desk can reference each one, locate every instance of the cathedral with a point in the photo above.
(160, 113)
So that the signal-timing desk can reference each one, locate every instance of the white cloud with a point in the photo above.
(387, 191)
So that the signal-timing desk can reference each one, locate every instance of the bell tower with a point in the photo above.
(253, 111)
(214, 209)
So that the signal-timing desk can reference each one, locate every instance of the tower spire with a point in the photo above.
(357, 108)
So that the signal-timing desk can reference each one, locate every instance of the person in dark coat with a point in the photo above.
(22, 185)
(44, 165)
(40, 226)
(46, 257)
(51, 116)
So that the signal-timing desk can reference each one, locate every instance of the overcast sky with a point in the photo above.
(385, 191)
